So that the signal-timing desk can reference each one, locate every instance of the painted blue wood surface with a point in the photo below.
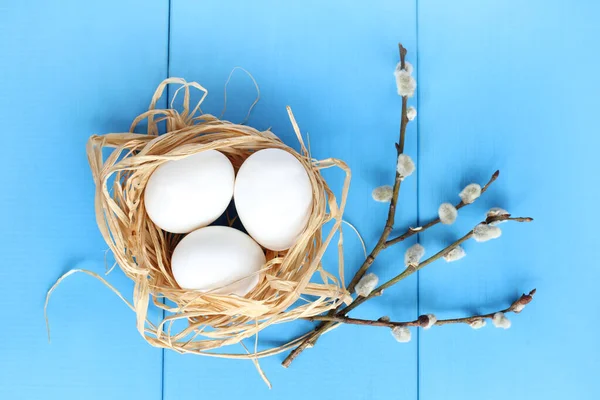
(69, 70)
(502, 85)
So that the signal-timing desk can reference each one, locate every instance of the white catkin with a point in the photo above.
(413, 255)
(518, 308)
(478, 323)
(405, 83)
(447, 213)
(495, 212)
(484, 232)
(401, 334)
(470, 193)
(411, 113)
(405, 166)
(431, 322)
(500, 321)
(383, 194)
(366, 284)
(455, 254)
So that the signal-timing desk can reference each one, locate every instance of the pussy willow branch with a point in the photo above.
(389, 225)
(423, 320)
(383, 243)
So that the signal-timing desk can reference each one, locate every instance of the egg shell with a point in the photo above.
(273, 198)
(219, 259)
(186, 194)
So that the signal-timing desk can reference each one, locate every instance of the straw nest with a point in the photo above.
(293, 283)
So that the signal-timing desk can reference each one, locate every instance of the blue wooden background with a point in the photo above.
(509, 85)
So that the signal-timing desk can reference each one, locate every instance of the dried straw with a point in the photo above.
(143, 251)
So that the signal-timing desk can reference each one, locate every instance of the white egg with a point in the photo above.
(219, 259)
(184, 195)
(273, 197)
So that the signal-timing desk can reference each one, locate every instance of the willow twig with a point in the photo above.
(423, 320)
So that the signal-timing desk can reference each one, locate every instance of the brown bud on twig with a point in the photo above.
(522, 301)
(423, 320)
(526, 298)
(491, 219)
(385, 318)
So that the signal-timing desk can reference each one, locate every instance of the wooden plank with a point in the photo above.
(512, 86)
(332, 62)
(68, 71)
